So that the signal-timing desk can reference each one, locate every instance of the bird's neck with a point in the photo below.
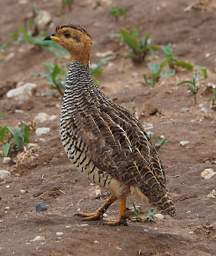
(78, 87)
(77, 77)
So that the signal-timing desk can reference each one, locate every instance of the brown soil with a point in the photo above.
(49, 175)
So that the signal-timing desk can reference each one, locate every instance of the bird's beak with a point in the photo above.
(53, 37)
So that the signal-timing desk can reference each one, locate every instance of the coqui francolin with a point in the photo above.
(102, 139)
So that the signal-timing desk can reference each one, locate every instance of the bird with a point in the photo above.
(104, 140)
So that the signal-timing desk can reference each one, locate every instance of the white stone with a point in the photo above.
(159, 216)
(96, 242)
(23, 92)
(59, 233)
(22, 191)
(6, 160)
(104, 54)
(42, 130)
(184, 143)
(208, 173)
(43, 117)
(38, 238)
(42, 20)
(4, 174)
(212, 194)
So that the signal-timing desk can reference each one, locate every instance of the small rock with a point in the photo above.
(184, 142)
(212, 194)
(159, 216)
(32, 145)
(118, 248)
(43, 117)
(4, 174)
(41, 207)
(84, 225)
(68, 226)
(7, 208)
(208, 173)
(22, 191)
(104, 54)
(42, 130)
(23, 92)
(38, 238)
(6, 160)
(184, 109)
(203, 108)
(42, 20)
(96, 242)
(59, 233)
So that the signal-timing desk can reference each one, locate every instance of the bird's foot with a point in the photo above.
(118, 222)
(90, 216)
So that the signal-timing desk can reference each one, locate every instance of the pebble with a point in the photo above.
(84, 225)
(41, 207)
(184, 109)
(6, 160)
(184, 142)
(212, 194)
(59, 233)
(42, 20)
(208, 173)
(22, 191)
(159, 216)
(42, 130)
(96, 242)
(68, 226)
(38, 238)
(43, 117)
(4, 174)
(23, 92)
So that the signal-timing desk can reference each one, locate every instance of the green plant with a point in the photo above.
(160, 141)
(13, 139)
(136, 213)
(139, 46)
(193, 86)
(117, 12)
(22, 35)
(213, 104)
(150, 216)
(155, 74)
(172, 61)
(55, 75)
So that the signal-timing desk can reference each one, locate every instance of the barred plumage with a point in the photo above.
(103, 139)
(106, 142)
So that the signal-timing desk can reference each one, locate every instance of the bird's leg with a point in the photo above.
(98, 214)
(122, 214)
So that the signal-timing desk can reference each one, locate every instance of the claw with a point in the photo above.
(90, 216)
(118, 222)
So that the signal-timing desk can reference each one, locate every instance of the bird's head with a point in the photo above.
(75, 39)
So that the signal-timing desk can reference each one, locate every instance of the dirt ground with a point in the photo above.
(49, 175)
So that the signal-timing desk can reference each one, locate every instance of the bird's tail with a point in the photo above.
(161, 200)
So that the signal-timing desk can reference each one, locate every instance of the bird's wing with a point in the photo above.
(118, 145)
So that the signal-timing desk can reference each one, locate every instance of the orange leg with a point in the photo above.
(122, 214)
(98, 214)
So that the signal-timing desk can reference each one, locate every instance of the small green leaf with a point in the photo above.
(17, 136)
(184, 64)
(3, 132)
(5, 149)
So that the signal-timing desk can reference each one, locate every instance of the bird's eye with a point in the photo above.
(67, 34)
